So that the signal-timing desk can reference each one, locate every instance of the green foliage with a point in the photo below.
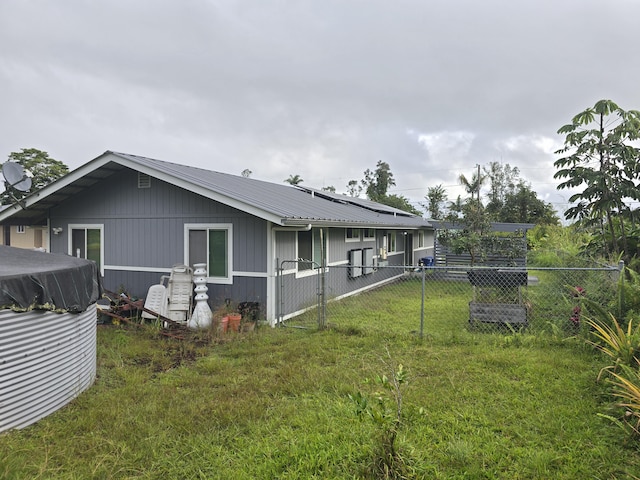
(474, 227)
(294, 179)
(512, 200)
(484, 244)
(43, 168)
(472, 186)
(436, 196)
(626, 388)
(599, 155)
(620, 341)
(400, 202)
(354, 188)
(502, 181)
(385, 411)
(274, 404)
(622, 345)
(628, 301)
(557, 246)
(524, 206)
(377, 183)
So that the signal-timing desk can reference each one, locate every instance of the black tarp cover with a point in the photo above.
(33, 279)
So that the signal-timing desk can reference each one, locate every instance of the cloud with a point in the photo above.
(320, 89)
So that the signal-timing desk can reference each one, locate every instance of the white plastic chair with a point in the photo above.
(179, 293)
(156, 301)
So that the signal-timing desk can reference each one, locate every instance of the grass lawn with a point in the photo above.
(274, 404)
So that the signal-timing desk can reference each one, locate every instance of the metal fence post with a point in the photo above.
(278, 312)
(322, 323)
(422, 271)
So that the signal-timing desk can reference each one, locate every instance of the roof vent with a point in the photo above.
(144, 180)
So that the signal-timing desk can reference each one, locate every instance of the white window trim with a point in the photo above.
(313, 271)
(85, 226)
(21, 229)
(355, 239)
(365, 237)
(228, 280)
(392, 235)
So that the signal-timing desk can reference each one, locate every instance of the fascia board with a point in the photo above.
(109, 157)
(57, 185)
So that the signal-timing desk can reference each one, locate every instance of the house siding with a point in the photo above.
(143, 232)
(297, 293)
(285, 246)
(33, 236)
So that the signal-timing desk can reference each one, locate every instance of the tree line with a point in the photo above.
(600, 158)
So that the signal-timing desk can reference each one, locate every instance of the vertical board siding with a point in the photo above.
(285, 246)
(144, 228)
(301, 293)
(46, 360)
(244, 289)
(135, 284)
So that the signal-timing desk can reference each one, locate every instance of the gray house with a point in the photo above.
(136, 217)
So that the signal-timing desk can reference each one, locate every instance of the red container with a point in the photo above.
(234, 321)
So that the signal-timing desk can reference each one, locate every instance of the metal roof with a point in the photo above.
(279, 203)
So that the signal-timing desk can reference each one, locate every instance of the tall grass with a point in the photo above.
(275, 404)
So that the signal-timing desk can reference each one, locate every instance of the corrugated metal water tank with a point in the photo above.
(46, 360)
(47, 333)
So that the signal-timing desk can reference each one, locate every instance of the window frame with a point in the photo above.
(392, 242)
(369, 234)
(21, 229)
(87, 226)
(228, 227)
(313, 270)
(352, 238)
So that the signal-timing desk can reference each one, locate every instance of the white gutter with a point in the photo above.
(304, 228)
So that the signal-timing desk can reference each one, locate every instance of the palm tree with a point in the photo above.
(472, 186)
(294, 179)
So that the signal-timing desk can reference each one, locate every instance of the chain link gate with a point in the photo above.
(301, 299)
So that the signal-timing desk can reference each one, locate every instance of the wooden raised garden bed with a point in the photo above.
(497, 313)
(497, 296)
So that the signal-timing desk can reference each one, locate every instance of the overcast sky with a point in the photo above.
(319, 88)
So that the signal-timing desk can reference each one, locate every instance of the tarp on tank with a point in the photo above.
(34, 279)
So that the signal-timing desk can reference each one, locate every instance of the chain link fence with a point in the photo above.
(441, 301)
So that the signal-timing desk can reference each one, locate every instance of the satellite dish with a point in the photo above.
(17, 177)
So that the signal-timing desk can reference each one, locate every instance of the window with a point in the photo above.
(391, 242)
(353, 234)
(212, 245)
(420, 239)
(369, 234)
(312, 245)
(20, 229)
(86, 241)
